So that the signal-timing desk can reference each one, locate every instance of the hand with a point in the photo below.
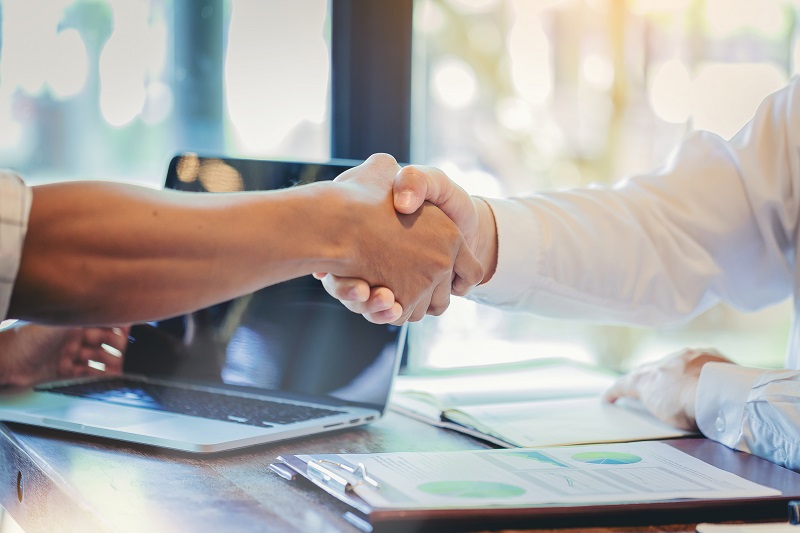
(422, 256)
(667, 388)
(413, 186)
(31, 353)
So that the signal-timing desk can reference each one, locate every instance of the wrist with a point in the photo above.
(486, 242)
(335, 228)
(11, 340)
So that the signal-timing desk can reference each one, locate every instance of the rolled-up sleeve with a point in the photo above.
(15, 206)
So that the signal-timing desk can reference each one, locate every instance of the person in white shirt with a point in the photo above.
(718, 223)
(111, 254)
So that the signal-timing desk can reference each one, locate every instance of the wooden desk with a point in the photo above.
(54, 481)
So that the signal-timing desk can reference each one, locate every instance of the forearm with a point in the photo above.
(113, 253)
(712, 225)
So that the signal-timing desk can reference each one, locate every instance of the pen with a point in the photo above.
(794, 512)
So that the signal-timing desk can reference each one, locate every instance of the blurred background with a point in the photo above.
(507, 96)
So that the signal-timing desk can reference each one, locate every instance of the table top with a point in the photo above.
(57, 480)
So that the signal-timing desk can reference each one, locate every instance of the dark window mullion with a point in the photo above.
(371, 78)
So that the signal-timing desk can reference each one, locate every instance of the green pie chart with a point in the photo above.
(471, 489)
(607, 458)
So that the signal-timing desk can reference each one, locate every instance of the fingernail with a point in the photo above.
(406, 200)
(97, 365)
(111, 350)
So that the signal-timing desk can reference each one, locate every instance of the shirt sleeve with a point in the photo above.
(15, 205)
(752, 410)
(716, 223)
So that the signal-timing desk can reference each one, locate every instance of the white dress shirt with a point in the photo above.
(719, 222)
(15, 205)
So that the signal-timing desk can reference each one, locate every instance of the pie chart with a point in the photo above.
(471, 489)
(607, 458)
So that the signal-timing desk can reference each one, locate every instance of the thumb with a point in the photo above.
(416, 184)
(410, 189)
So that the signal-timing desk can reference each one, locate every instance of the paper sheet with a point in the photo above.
(506, 383)
(563, 422)
(781, 527)
(629, 472)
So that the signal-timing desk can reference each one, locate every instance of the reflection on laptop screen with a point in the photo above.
(292, 337)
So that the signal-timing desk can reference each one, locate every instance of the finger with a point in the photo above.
(410, 189)
(415, 184)
(386, 317)
(112, 362)
(381, 299)
(624, 387)
(440, 300)
(346, 289)
(115, 339)
(468, 271)
(319, 275)
(410, 309)
(421, 309)
(376, 168)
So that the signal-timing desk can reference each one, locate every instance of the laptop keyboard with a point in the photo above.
(193, 402)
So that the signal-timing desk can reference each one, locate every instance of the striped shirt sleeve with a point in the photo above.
(15, 205)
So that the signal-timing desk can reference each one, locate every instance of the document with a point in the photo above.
(594, 474)
(777, 527)
(545, 403)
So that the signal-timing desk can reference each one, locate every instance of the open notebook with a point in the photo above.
(540, 403)
(281, 362)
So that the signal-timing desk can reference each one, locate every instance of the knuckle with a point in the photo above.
(382, 159)
(437, 309)
(340, 291)
(460, 288)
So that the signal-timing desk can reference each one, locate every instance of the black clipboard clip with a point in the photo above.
(340, 477)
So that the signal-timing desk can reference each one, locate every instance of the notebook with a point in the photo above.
(285, 361)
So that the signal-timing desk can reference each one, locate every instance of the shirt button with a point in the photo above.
(719, 424)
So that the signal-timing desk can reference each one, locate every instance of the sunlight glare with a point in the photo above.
(670, 92)
(454, 83)
(277, 70)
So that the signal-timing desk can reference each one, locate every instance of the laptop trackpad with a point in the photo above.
(98, 415)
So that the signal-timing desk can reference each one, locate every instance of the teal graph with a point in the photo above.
(607, 458)
(471, 489)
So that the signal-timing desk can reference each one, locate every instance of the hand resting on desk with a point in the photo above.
(33, 353)
(667, 388)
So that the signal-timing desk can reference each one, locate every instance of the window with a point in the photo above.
(512, 96)
(113, 88)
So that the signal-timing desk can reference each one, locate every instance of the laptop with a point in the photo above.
(282, 362)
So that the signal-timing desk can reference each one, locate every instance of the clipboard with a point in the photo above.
(346, 484)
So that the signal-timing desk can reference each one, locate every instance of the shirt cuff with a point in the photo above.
(518, 254)
(722, 393)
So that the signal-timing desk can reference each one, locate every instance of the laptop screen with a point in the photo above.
(291, 338)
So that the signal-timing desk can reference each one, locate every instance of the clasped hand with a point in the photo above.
(418, 256)
(416, 191)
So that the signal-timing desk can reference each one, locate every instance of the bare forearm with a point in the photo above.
(113, 253)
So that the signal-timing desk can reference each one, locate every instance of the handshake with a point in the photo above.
(442, 242)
